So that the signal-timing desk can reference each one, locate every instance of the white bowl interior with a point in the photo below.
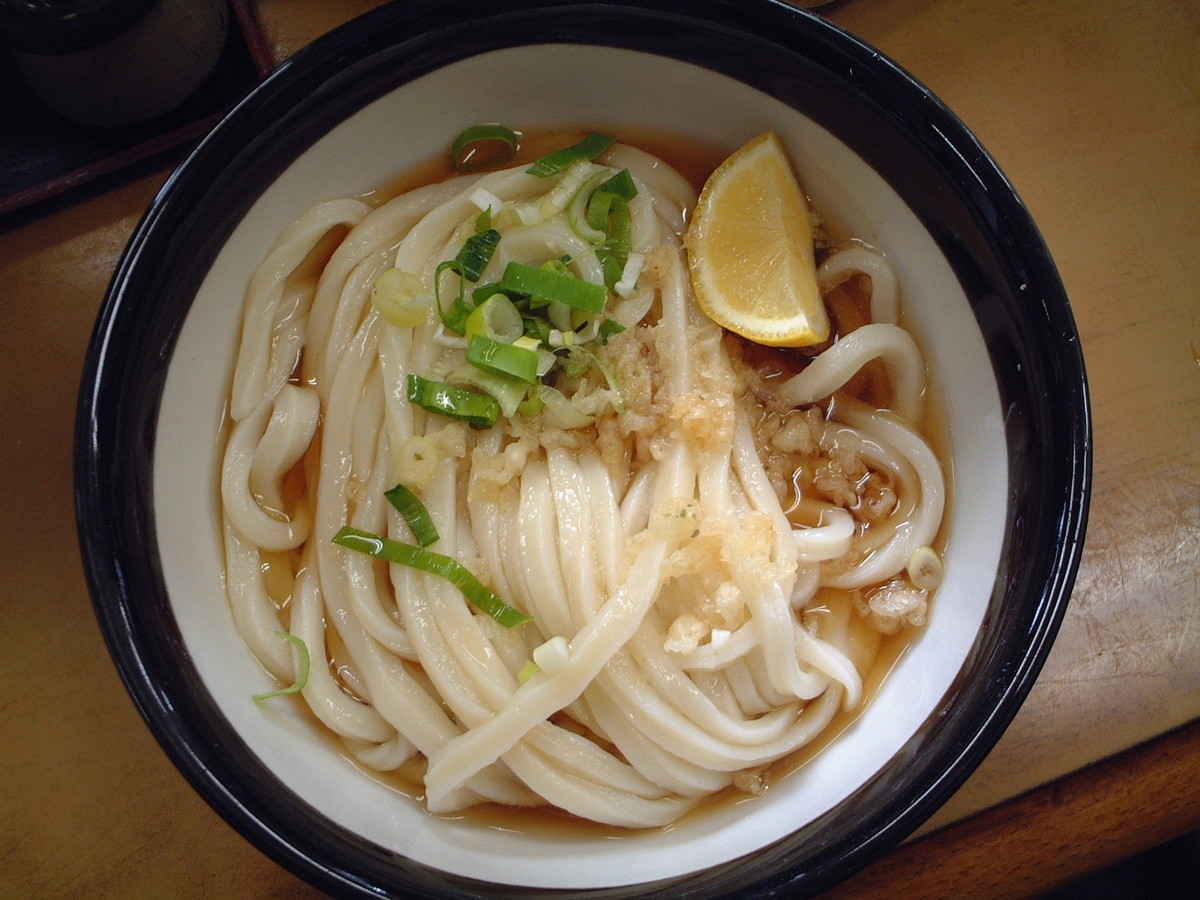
(409, 126)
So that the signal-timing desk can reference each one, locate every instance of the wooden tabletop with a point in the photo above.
(1092, 108)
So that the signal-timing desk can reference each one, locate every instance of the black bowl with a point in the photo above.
(133, 429)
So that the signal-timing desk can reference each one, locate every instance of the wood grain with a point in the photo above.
(1042, 840)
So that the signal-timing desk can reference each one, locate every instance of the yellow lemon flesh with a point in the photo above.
(750, 250)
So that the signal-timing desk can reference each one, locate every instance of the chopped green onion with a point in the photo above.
(531, 405)
(587, 330)
(559, 265)
(305, 667)
(560, 316)
(598, 210)
(483, 146)
(577, 362)
(496, 356)
(622, 185)
(506, 390)
(546, 359)
(609, 328)
(561, 412)
(556, 286)
(527, 671)
(574, 179)
(497, 317)
(477, 410)
(415, 514)
(925, 569)
(483, 221)
(577, 209)
(436, 564)
(581, 321)
(608, 212)
(401, 298)
(528, 213)
(468, 265)
(537, 328)
(614, 252)
(581, 360)
(484, 291)
(455, 317)
(589, 148)
(476, 253)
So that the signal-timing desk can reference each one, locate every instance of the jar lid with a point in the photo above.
(66, 26)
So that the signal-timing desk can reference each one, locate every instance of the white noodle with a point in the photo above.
(669, 565)
(860, 260)
(839, 363)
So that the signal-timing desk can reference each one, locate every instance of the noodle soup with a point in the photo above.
(682, 549)
(386, 94)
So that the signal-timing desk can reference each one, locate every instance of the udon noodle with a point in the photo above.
(701, 539)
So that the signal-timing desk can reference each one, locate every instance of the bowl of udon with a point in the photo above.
(569, 449)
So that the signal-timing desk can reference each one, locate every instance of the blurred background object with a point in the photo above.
(114, 62)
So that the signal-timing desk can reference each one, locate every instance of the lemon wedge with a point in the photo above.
(750, 250)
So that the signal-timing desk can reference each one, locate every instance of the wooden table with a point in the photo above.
(1092, 107)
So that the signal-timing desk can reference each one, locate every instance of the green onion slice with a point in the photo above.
(609, 328)
(614, 252)
(577, 209)
(477, 410)
(622, 185)
(496, 317)
(496, 356)
(537, 328)
(527, 671)
(401, 298)
(555, 286)
(509, 392)
(599, 210)
(589, 148)
(468, 265)
(484, 291)
(573, 179)
(483, 147)
(415, 514)
(531, 405)
(437, 564)
(455, 317)
(581, 360)
(301, 677)
(476, 253)
(560, 411)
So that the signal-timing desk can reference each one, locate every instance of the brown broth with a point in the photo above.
(692, 158)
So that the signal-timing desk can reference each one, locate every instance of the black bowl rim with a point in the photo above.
(1048, 424)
